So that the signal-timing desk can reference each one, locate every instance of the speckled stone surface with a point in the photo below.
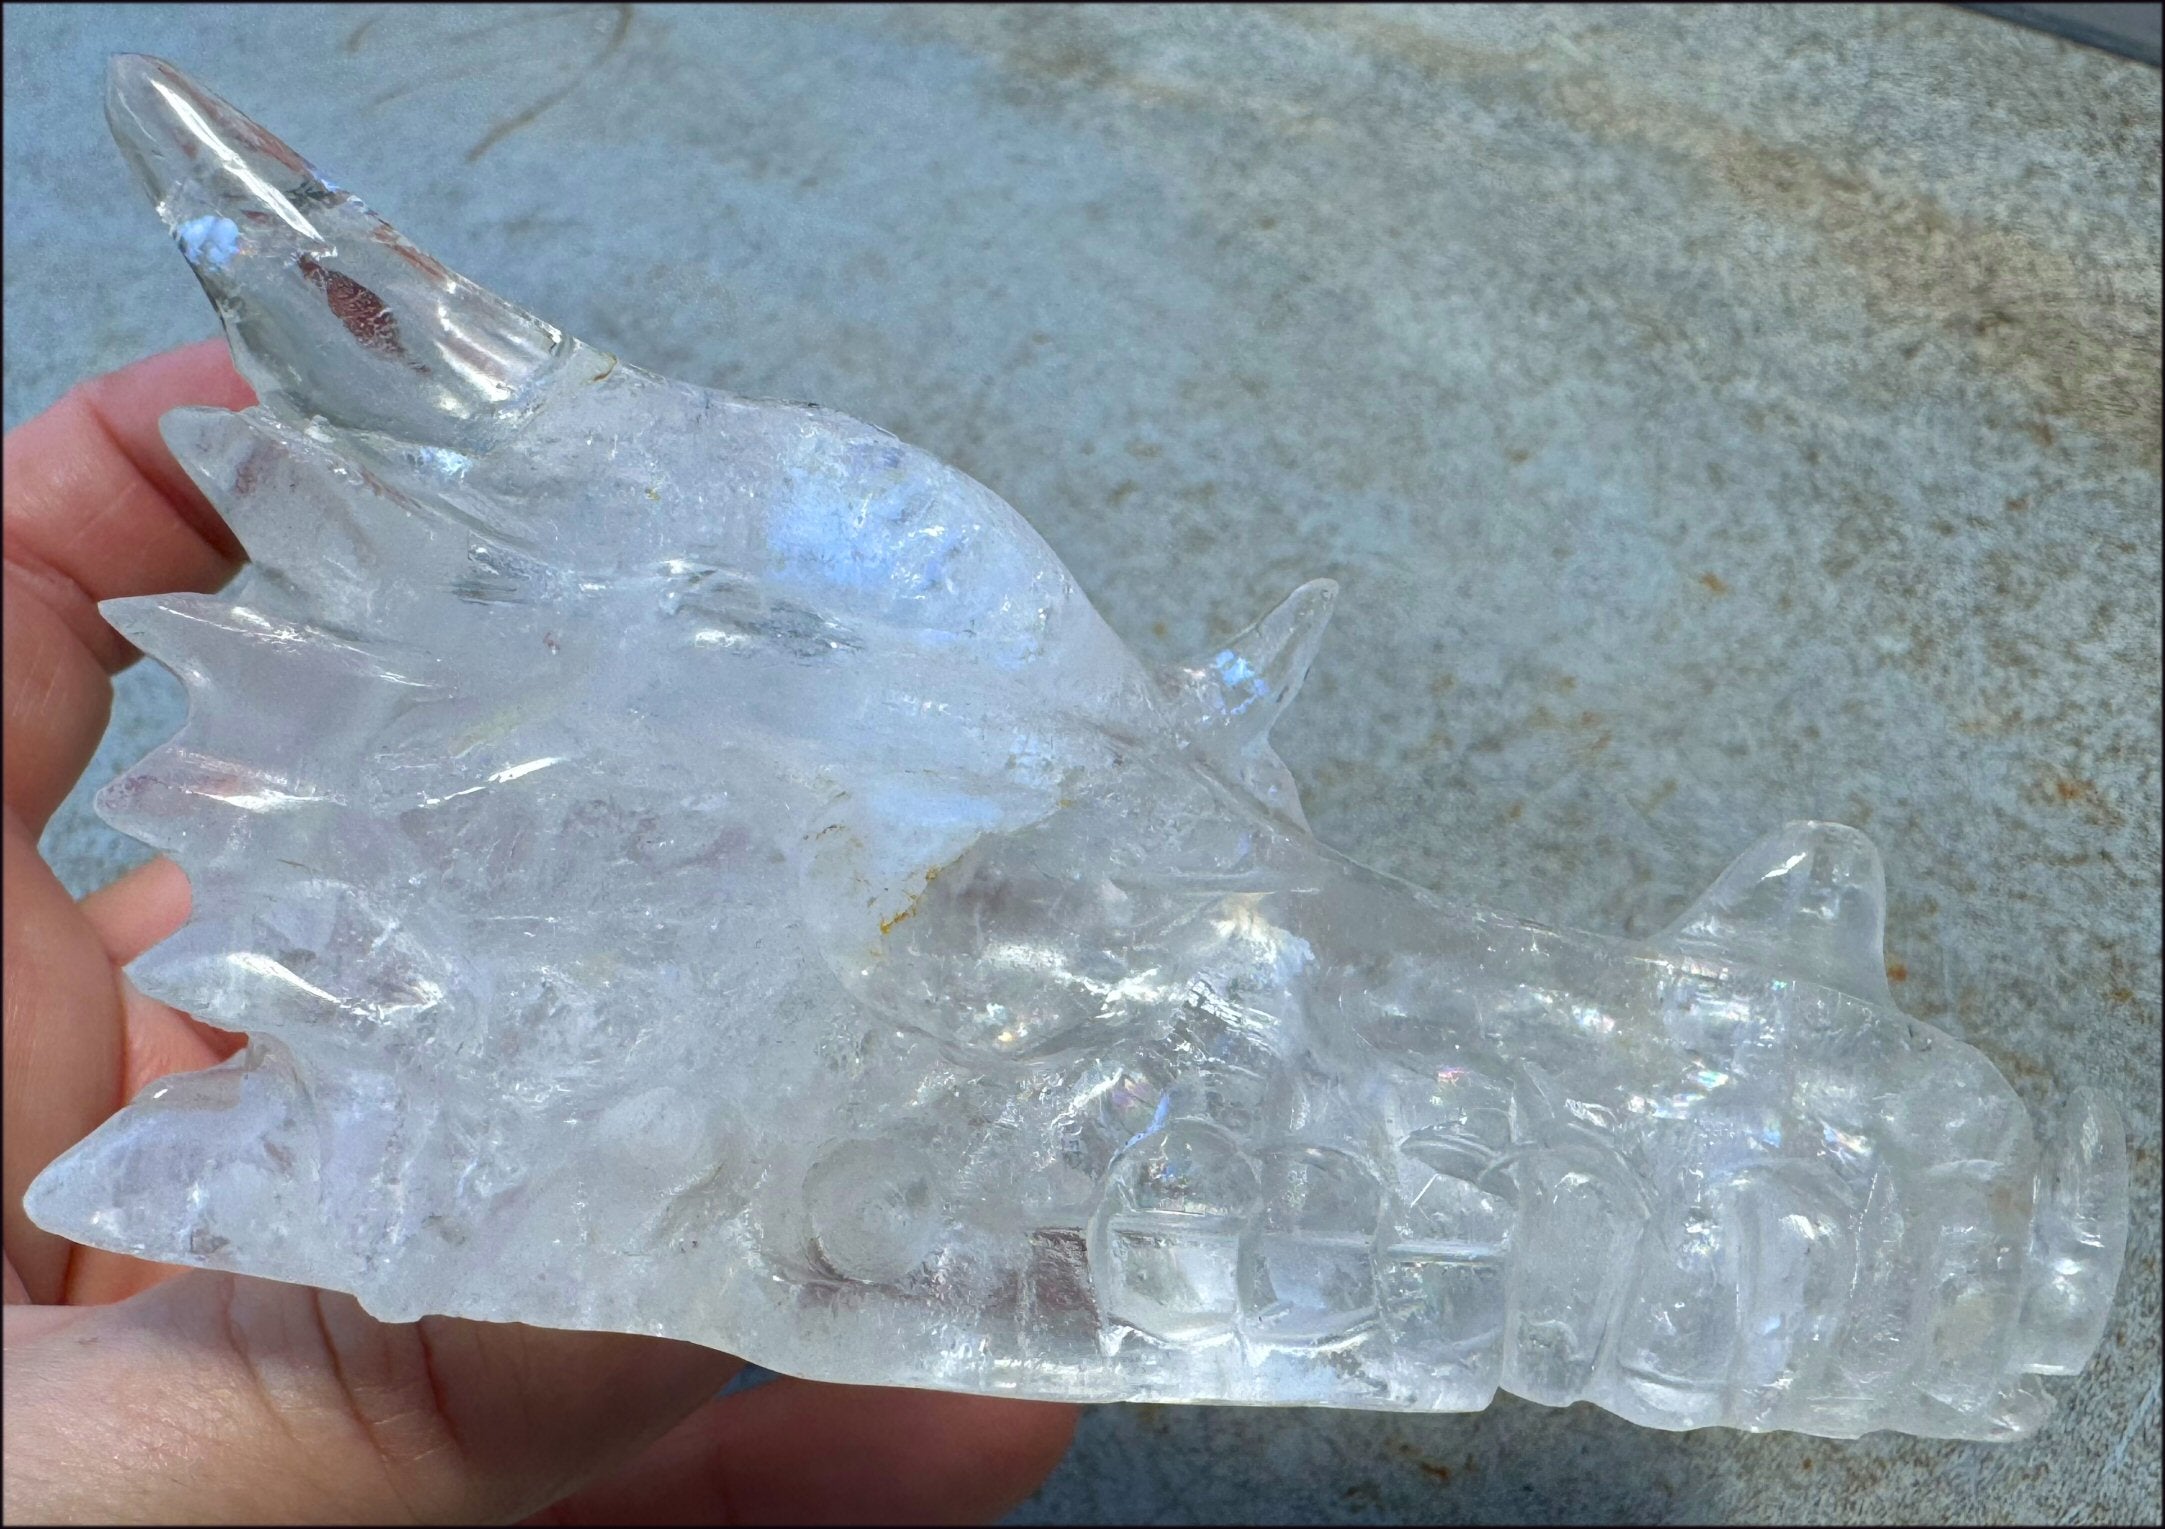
(1712, 417)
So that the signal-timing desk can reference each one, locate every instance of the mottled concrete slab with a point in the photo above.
(1714, 417)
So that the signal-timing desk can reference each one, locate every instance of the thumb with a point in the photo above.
(217, 1399)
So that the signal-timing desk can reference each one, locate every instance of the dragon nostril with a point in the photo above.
(2078, 1240)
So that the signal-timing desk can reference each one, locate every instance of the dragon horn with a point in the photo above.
(328, 310)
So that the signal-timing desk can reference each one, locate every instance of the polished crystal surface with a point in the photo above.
(699, 866)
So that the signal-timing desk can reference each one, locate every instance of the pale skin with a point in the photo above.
(138, 1392)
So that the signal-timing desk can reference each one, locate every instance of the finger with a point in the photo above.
(54, 699)
(60, 1045)
(799, 1452)
(138, 910)
(156, 1039)
(131, 915)
(64, 1071)
(128, 917)
(95, 507)
(226, 1400)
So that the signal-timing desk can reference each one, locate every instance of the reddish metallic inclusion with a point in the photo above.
(361, 311)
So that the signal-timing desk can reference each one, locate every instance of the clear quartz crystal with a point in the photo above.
(699, 866)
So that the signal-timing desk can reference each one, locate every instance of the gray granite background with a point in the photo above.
(1713, 416)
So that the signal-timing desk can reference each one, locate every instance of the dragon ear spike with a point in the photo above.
(1245, 686)
(1809, 901)
(174, 1139)
(329, 311)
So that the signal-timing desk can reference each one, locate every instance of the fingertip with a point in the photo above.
(132, 399)
(139, 909)
(98, 508)
(197, 373)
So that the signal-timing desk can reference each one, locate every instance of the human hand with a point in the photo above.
(137, 1392)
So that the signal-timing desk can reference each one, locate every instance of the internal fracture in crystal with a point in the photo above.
(699, 866)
